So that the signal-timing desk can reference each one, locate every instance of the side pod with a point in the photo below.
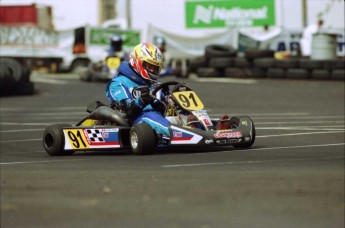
(106, 113)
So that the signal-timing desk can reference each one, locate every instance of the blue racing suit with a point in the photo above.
(123, 88)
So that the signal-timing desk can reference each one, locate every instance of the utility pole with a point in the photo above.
(128, 13)
(304, 13)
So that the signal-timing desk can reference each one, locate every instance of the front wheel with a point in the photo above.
(143, 139)
(54, 140)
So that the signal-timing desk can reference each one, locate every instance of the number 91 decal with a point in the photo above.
(75, 139)
(188, 100)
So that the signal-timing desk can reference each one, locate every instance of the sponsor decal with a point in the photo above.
(101, 136)
(228, 141)
(220, 13)
(244, 122)
(209, 141)
(177, 134)
(235, 134)
(182, 136)
(207, 122)
(105, 135)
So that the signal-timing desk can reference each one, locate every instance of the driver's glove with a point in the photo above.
(145, 98)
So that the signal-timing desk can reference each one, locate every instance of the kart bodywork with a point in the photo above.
(105, 128)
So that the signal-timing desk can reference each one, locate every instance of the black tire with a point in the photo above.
(26, 72)
(221, 62)
(216, 50)
(54, 140)
(297, 73)
(79, 65)
(204, 72)
(252, 54)
(10, 75)
(196, 63)
(142, 139)
(241, 62)
(287, 63)
(311, 64)
(338, 74)
(86, 76)
(257, 73)
(321, 74)
(25, 88)
(276, 73)
(235, 72)
(13, 67)
(6, 81)
(334, 64)
(266, 62)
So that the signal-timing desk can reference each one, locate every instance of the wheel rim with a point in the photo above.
(48, 141)
(134, 140)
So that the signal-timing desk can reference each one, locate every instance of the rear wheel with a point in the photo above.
(54, 140)
(142, 139)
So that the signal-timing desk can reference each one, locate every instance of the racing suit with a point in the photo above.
(123, 89)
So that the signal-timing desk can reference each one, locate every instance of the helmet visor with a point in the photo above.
(151, 68)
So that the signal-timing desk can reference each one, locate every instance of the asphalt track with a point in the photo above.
(293, 176)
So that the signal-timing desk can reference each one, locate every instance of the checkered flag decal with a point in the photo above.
(95, 135)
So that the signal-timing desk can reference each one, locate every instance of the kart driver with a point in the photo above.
(130, 88)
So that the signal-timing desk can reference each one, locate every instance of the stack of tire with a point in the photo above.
(14, 78)
(301, 68)
(223, 61)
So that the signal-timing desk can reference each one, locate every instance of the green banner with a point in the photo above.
(101, 36)
(229, 13)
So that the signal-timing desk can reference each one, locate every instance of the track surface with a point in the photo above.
(293, 176)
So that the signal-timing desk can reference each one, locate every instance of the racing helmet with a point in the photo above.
(147, 60)
(116, 43)
(159, 41)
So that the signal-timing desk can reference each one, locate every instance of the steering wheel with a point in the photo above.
(164, 85)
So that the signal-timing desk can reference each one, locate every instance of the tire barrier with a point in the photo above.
(221, 61)
(14, 78)
(338, 74)
(321, 74)
(209, 72)
(276, 73)
(215, 50)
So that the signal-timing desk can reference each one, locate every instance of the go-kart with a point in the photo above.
(102, 70)
(106, 127)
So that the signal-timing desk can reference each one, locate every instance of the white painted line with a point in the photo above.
(22, 130)
(56, 113)
(304, 133)
(304, 128)
(32, 162)
(247, 162)
(301, 122)
(30, 124)
(301, 117)
(281, 114)
(19, 140)
(24, 124)
(41, 109)
(49, 81)
(294, 147)
(27, 152)
(226, 80)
